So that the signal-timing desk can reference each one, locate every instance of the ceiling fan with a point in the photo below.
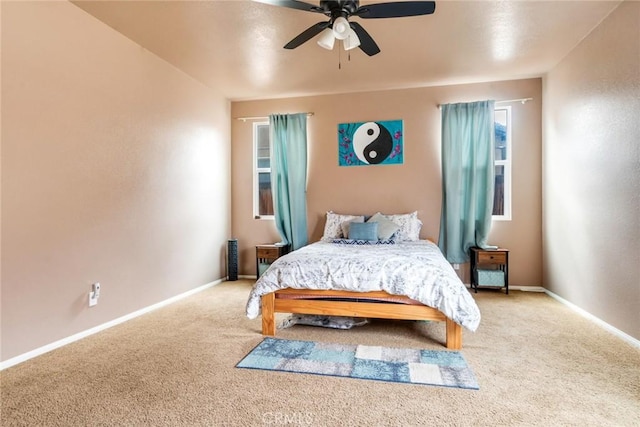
(339, 27)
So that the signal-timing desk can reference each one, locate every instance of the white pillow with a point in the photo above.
(333, 226)
(409, 225)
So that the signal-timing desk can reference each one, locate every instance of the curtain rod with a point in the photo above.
(506, 101)
(244, 119)
(521, 100)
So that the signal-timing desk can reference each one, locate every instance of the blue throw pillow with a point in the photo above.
(363, 231)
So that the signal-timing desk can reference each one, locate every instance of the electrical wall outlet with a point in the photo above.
(456, 266)
(94, 294)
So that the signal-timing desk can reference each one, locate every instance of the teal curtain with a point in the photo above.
(468, 135)
(288, 134)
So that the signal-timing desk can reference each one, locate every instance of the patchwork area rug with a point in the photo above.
(403, 365)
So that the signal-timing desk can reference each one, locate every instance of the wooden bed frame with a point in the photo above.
(292, 301)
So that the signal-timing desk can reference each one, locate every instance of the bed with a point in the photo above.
(407, 280)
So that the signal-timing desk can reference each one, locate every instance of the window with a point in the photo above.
(262, 200)
(502, 188)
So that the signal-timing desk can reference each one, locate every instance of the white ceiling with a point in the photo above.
(236, 46)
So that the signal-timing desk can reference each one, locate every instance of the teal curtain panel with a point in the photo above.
(288, 134)
(468, 139)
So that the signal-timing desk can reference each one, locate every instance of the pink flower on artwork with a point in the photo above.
(397, 135)
(395, 152)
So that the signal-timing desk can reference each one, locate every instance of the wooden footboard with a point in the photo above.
(288, 301)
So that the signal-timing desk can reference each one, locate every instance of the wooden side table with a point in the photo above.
(489, 268)
(266, 254)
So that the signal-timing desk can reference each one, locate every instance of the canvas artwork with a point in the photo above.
(370, 143)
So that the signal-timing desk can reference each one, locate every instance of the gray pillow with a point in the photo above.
(386, 227)
(363, 231)
(345, 225)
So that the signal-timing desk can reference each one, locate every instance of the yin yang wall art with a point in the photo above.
(370, 143)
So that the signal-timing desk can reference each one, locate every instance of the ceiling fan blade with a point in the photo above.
(367, 45)
(396, 10)
(293, 4)
(306, 35)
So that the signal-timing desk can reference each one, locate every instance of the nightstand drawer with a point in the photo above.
(268, 253)
(488, 257)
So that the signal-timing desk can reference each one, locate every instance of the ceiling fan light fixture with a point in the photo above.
(341, 28)
(327, 39)
(352, 41)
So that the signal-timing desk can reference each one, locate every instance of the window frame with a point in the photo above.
(507, 164)
(257, 171)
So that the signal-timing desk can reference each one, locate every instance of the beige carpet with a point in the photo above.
(537, 363)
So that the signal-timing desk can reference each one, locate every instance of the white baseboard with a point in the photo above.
(516, 288)
(527, 288)
(628, 338)
(60, 343)
(57, 344)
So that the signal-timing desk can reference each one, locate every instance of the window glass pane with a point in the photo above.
(265, 201)
(498, 192)
(263, 163)
(262, 146)
(262, 195)
(501, 134)
(263, 133)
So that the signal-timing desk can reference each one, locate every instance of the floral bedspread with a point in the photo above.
(417, 270)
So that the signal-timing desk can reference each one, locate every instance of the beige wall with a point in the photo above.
(414, 185)
(115, 168)
(592, 173)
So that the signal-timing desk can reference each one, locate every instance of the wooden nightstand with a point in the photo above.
(489, 268)
(266, 254)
